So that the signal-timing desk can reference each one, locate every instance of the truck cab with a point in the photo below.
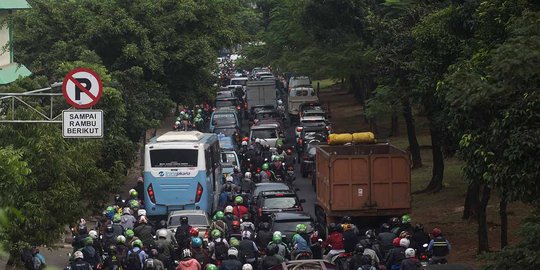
(297, 96)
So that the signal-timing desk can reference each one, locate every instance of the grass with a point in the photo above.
(324, 84)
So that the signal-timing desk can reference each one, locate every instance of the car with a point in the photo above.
(299, 81)
(239, 81)
(268, 134)
(320, 133)
(276, 122)
(261, 74)
(272, 201)
(196, 218)
(231, 102)
(310, 106)
(313, 112)
(224, 94)
(223, 118)
(306, 265)
(229, 160)
(310, 121)
(260, 187)
(286, 222)
(266, 114)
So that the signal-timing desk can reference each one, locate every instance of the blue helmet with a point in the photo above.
(196, 242)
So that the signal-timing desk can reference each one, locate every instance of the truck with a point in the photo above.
(363, 181)
(260, 93)
(298, 96)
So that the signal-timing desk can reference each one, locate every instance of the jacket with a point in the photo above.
(410, 264)
(230, 264)
(190, 264)
(145, 232)
(395, 257)
(335, 239)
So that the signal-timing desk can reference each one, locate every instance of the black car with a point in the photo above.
(273, 201)
(230, 102)
(260, 187)
(312, 133)
(286, 222)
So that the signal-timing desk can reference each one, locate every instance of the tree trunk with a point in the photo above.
(414, 148)
(394, 128)
(374, 127)
(352, 84)
(435, 185)
(472, 202)
(504, 220)
(483, 243)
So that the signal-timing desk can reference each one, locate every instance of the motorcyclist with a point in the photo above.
(80, 235)
(249, 253)
(188, 262)
(247, 184)
(334, 240)
(199, 253)
(356, 260)
(232, 262)
(397, 255)
(133, 196)
(277, 169)
(406, 225)
(272, 258)
(78, 262)
(439, 247)
(265, 174)
(91, 256)
(154, 261)
(277, 240)
(419, 238)
(183, 239)
(264, 235)
(140, 188)
(239, 209)
(229, 216)
(108, 238)
(162, 228)
(219, 224)
(128, 220)
(96, 243)
(289, 158)
(300, 246)
(218, 246)
(165, 246)
(346, 221)
(395, 224)
(246, 224)
(227, 193)
(130, 237)
(235, 231)
(385, 238)
(145, 232)
(350, 238)
(121, 250)
(237, 176)
(266, 154)
(410, 262)
(370, 250)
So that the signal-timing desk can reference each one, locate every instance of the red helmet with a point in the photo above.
(236, 224)
(436, 232)
(395, 242)
(289, 151)
(245, 139)
(194, 231)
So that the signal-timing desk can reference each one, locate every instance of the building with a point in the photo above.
(9, 70)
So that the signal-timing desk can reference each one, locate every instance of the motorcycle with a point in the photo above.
(289, 176)
(342, 260)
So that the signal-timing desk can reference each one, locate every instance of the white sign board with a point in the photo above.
(82, 124)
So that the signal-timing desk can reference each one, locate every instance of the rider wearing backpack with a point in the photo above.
(218, 247)
(182, 236)
(136, 256)
(153, 263)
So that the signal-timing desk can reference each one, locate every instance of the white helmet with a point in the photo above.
(232, 252)
(78, 255)
(258, 140)
(141, 212)
(409, 253)
(120, 239)
(177, 123)
(247, 175)
(162, 233)
(247, 266)
(229, 178)
(244, 143)
(93, 234)
(404, 242)
(228, 209)
(186, 253)
(126, 211)
(279, 102)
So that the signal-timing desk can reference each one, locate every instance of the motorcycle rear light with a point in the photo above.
(423, 257)
(238, 107)
(151, 195)
(199, 192)
(298, 129)
(300, 208)
(258, 170)
(260, 212)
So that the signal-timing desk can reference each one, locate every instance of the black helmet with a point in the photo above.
(264, 226)
(346, 219)
(365, 260)
(184, 220)
(394, 221)
(245, 217)
(332, 227)
(109, 228)
(162, 224)
(365, 242)
(370, 234)
(419, 227)
(339, 227)
(117, 199)
(358, 249)
(385, 227)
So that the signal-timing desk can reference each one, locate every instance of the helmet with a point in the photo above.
(194, 231)
(246, 234)
(245, 139)
(394, 221)
(247, 266)
(265, 166)
(109, 210)
(245, 217)
(219, 215)
(162, 224)
(279, 102)
(418, 227)
(257, 140)
(196, 242)
(234, 242)
(126, 211)
(134, 204)
(78, 255)
(277, 237)
(436, 232)
(236, 169)
(228, 209)
(332, 227)
(184, 220)
(406, 219)
(289, 151)
(162, 233)
(239, 200)
(301, 228)
(409, 253)
(177, 123)
(244, 143)
(232, 252)
(247, 175)
(404, 242)
(278, 158)
(109, 228)
(385, 227)
(358, 249)
(211, 267)
(93, 234)
(121, 239)
(117, 218)
(186, 253)
(88, 241)
(129, 233)
(395, 242)
(216, 234)
(133, 193)
(137, 243)
(141, 212)
(236, 224)
(229, 178)
(264, 226)
(370, 234)
(346, 219)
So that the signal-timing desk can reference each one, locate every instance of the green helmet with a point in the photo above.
(278, 158)
(199, 111)
(239, 200)
(133, 204)
(277, 237)
(129, 233)
(234, 242)
(211, 267)
(137, 243)
(117, 218)
(110, 210)
(216, 234)
(219, 215)
(178, 119)
(88, 241)
(406, 219)
(133, 193)
(265, 166)
(301, 228)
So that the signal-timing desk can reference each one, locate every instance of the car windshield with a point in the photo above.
(224, 94)
(276, 186)
(225, 103)
(313, 123)
(170, 158)
(229, 158)
(269, 133)
(229, 132)
(239, 82)
(266, 115)
(279, 202)
(290, 225)
(315, 114)
(223, 119)
(194, 220)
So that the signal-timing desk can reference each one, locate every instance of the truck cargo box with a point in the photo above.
(261, 93)
(363, 180)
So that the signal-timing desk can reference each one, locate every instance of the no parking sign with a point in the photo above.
(82, 88)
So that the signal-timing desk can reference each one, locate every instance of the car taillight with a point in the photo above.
(238, 107)
(258, 170)
(298, 129)
(260, 212)
(151, 194)
(198, 193)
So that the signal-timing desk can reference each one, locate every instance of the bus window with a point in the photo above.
(208, 161)
(169, 158)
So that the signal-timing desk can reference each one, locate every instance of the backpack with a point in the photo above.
(36, 262)
(182, 235)
(28, 259)
(149, 264)
(220, 250)
(134, 261)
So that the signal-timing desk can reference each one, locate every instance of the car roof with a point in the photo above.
(186, 212)
(291, 216)
(240, 78)
(265, 126)
(278, 191)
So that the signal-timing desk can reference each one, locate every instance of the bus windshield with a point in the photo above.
(169, 158)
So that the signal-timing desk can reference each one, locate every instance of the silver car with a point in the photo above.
(196, 218)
